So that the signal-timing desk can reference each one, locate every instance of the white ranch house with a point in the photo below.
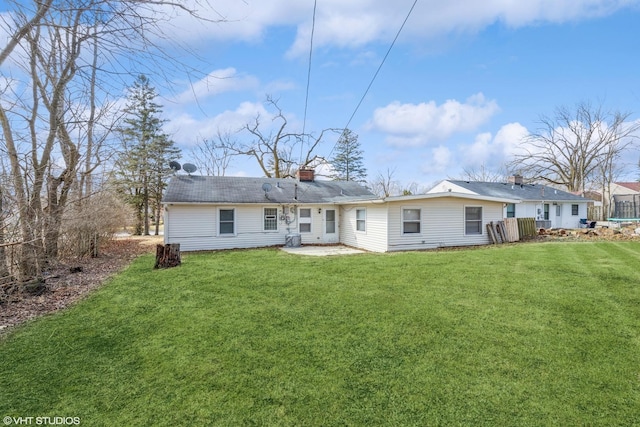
(209, 213)
(552, 208)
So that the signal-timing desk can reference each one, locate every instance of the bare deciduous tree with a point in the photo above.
(570, 146)
(47, 138)
(213, 156)
(279, 153)
(484, 174)
(384, 184)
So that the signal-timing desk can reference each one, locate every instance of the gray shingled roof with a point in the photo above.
(225, 189)
(523, 192)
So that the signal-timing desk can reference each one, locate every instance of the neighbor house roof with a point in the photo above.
(635, 186)
(524, 192)
(229, 190)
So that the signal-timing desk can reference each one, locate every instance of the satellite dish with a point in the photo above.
(175, 166)
(189, 168)
(266, 187)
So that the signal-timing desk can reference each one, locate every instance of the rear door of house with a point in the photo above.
(331, 226)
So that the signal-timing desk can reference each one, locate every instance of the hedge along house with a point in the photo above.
(552, 208)
(206, 213)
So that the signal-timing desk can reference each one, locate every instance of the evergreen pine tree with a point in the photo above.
(348, 160)
(142, 167)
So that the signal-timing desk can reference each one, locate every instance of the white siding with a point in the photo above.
(195, 227)
(374, 238)
(523, 210)
(442, 223)
(532, 209)
(567, 220)
(191, 226)
(315, 236)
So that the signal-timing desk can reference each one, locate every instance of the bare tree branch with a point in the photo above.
(571, 145)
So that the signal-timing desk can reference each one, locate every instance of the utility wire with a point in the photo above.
(306, 100)
(370, 83)
(375, 75)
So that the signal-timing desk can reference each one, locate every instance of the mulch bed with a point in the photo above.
(72, 280)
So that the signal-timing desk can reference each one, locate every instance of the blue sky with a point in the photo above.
(465, 81)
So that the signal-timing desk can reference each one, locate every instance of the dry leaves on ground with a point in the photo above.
(73, 279)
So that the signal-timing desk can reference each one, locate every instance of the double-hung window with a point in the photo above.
(227, 223)
(411, 221)
(511, 210)
(472, 220)
(361, 219)
(575, 209)
(270, 219)
(304, 220)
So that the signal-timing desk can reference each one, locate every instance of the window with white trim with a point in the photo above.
(411, 221)
(511, 210)
(472, 220)
(558, 210)
(304, 220)
(270, 219)
(575, 210)
(226, 222)
(361, 219)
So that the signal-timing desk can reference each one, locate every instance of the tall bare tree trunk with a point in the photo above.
(4, 267)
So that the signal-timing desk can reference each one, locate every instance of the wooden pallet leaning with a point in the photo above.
(511, 228)
(502, 231)
(491, 233)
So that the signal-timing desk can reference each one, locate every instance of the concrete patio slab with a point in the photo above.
(322, 250)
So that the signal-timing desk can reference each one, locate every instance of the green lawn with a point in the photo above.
(529, 334)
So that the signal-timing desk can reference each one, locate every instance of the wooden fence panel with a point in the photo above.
(527, 227)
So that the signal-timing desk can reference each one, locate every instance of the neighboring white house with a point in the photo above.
(625, 200)
(625, 188)
(206, 213)
(552, 208)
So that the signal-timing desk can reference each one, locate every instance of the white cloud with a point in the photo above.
(233, 20)
(493, 151)
(187, 131)
(480, 150)
(215, 83)
(418, 124)
(439, 161)
(356, 23)
(509, 138)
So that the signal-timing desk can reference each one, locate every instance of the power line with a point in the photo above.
(370, 83)
(376, 74)
(306, 100)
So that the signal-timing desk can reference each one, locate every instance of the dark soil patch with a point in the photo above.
(71, 280)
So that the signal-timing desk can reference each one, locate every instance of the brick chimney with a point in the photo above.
(516, 179)
(306, 174)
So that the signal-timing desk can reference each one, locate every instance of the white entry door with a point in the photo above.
(330, 226)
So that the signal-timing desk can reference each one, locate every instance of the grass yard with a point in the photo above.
(530, 334)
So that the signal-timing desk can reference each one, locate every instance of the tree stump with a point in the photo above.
(168, 255)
